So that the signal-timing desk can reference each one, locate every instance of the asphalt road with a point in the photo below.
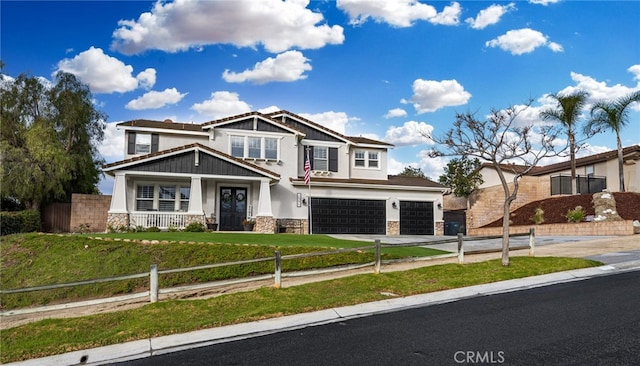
(589, 322)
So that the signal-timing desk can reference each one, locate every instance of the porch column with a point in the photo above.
(264, 200)
(195, 198)
(119, 195)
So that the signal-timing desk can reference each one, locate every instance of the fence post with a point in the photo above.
(532, 242)
(460, 249)
(278, 274)
(153, 283)
(376, 269)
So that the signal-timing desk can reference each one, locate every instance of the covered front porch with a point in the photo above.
(197, 186)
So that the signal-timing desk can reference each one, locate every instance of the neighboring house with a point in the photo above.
(252, 167)
(594, 173)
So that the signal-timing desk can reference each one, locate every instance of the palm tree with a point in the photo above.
(612, 115)
(567, 112)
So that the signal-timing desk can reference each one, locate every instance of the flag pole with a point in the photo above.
(307, 173)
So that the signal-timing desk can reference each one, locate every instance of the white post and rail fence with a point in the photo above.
(277, 275)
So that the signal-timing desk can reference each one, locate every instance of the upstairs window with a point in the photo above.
(264, 148)
(142, 143)
(366, 159)
(320, 158)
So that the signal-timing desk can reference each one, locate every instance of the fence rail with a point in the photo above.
(154, 272)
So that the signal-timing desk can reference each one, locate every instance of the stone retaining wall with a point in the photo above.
(605, 228)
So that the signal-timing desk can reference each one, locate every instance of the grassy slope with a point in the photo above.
(55, 336)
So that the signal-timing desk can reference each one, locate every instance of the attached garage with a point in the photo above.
(348, 216)
(416, 218)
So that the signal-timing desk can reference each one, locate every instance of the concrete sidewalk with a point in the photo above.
(166, 344)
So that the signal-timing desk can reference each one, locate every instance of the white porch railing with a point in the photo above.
(161, 220)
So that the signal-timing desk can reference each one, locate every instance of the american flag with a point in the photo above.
(307, 170)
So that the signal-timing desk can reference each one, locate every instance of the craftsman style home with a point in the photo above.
(250, 168)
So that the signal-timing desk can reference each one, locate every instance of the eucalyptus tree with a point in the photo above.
(567, 111)
(503, 141)
(613, 116)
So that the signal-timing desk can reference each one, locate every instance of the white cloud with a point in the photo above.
(489, 16)
(269, 109)
(336, 121)
(432, 167)
(147, 78)
(396, 112)
(635, 70)
(222, 104)
(410, 133)
(156, 99)
(431, 95)
(105, 74)
(543, 2)
(288, 66)
(521, 41)
(599, 90)
(112, 146)
(181, 25)
(400, 13)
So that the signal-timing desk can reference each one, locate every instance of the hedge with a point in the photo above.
(19, 222)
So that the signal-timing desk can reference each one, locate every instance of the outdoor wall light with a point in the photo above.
(394, 205)
(304, 201)
(440, 205)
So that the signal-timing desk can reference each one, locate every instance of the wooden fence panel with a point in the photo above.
(57, 218)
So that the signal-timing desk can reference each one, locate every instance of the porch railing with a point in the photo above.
(161, 220)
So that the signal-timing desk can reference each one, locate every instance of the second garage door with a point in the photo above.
(348, 216)
(416, 218)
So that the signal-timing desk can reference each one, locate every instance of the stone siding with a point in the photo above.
(439, 228)
(116, 221)
(265, 225)
(393, 227)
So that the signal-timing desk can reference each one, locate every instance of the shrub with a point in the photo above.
(576, 215)
(153, 229)
(26, 221)
(195, 227)
(538, 217)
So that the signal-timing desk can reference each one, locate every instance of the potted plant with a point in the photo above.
(248, 224)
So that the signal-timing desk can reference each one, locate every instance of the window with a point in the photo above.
(373, 159)
(589, 170)
(163, 197)
(185, 193)
(320, 158)
(256, 147)
(360, 161)
(270, 148)
(366, 159)
(144, 198)
(237, 146)
(143, 143)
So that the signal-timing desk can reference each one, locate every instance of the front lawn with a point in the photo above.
(30, 260)
(54, 336)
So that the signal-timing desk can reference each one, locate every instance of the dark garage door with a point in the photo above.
(348, 216)
(416, 218)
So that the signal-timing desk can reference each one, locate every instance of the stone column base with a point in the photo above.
(440, 228)
(265, 225)
(393, 227)
(117, 221)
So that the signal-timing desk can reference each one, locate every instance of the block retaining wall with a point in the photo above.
(606, 228)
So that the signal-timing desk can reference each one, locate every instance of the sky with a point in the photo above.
(386, 70)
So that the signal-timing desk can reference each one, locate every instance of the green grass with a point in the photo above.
(30, 260)
(56, 336)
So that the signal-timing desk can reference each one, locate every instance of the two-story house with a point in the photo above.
(252, 166)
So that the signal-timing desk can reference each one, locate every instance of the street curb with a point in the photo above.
(177, 342)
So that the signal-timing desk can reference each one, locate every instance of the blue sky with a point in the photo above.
(387, 70)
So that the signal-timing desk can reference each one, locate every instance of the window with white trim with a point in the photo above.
(321, 158)
(163, 197)
(254, 147)
(144, 198)
(366, 159)
(143, 143)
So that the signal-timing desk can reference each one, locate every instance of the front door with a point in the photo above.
(233, 208)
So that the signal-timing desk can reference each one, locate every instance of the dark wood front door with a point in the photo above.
(233, 208)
